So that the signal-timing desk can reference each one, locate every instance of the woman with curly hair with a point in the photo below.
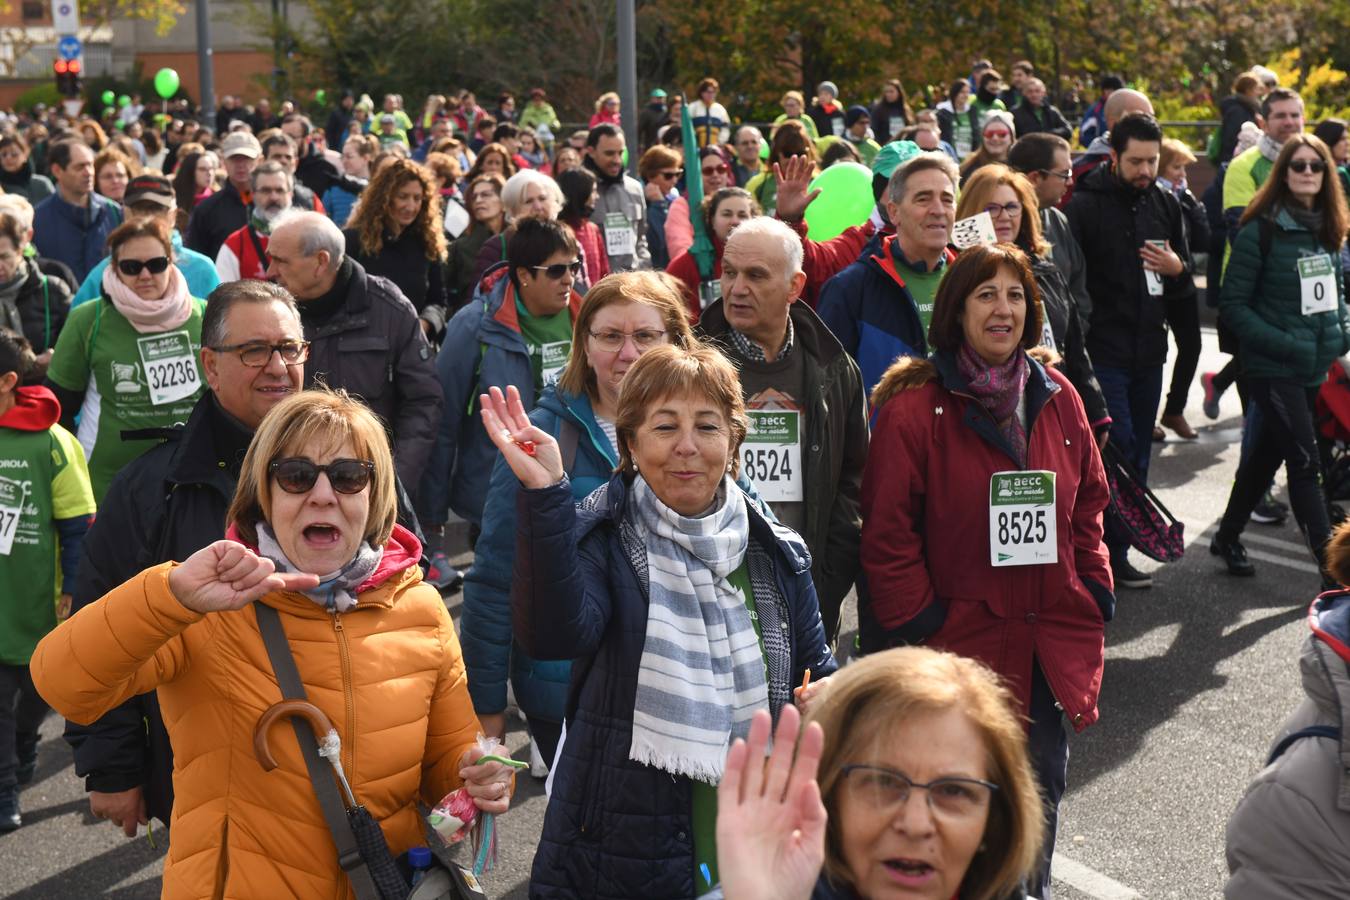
(395, 231)
(193, 181)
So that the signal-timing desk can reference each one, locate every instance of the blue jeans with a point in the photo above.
(1132, 396)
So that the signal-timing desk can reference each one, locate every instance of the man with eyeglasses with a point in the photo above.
(365, 333)
(1133, 237)
(169, 503)
(804, 396)
(747, 163)
(1046, 160)
(244, 253)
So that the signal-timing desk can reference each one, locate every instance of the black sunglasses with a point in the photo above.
(297, 475)
(132, 267)
(558, 270)
(1316, 166)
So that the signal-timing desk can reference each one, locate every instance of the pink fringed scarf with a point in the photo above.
(150, 316)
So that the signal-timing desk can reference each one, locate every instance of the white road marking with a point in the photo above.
(1090, 881)
(1302, 563)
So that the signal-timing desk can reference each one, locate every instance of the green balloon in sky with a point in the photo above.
(166, 83)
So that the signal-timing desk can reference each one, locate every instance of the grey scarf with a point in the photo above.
(9, 300)
(1310, 219)
(1269, 149)
(336, 592)
(702, 674)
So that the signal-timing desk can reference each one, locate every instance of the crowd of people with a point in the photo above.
(249, 377)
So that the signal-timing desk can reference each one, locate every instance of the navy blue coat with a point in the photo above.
(615, 829)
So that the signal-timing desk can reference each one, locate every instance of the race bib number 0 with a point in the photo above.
(170, 366)
(772, 454)
(620, 237)
(1022, 519)
(11, 510)
(1317, 283)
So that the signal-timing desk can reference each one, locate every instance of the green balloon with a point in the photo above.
(123, 100)
(763, 148)
(166, 83)
(108, 98)
(845, 200)
(625, 157)
(321, 96)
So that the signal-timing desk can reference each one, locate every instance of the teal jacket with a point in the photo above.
(1261, 302)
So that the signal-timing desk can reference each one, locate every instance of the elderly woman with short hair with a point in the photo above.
(686, 608)
(312, 541)
(926, 788)
(528, 194)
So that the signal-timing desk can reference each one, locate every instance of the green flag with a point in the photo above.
(702, 248)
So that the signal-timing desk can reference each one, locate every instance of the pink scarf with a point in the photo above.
(998, 389)
(150, 316)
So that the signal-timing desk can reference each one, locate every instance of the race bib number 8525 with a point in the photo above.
(1022, 519)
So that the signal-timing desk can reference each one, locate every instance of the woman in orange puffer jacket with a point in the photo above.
(375, 649)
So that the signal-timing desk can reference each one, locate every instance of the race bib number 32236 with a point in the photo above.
(1022, 519)
(170, 366)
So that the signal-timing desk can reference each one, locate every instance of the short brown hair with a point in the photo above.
(979, 191)
(656, 158)
(708, 83)
(971, 269)
(1173, 150)
(655, 289)
(316, 420)
(111, 155)
(146, 226)
(871, 697)
(668, 371)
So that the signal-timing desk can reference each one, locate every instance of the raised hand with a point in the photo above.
(770, 819)
(225, 575)
(511, 430)
(794, 178)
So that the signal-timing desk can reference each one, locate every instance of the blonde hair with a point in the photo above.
(314, 421)
(655, 289)
(978, 191)
(1172, 151)
(662, 372)
(869, 698)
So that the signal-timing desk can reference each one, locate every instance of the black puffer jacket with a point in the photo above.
(39, 309)
(1067, 327)
(366, 338)
(1111, 220)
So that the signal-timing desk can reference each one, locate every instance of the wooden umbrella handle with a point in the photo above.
(286, 709)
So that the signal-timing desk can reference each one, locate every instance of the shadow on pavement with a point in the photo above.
(96, 876)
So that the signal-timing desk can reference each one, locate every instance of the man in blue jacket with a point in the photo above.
(880, 307)
(151, 196)
(73, 224)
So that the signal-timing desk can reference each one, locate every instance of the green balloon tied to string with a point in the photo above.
(166, 83)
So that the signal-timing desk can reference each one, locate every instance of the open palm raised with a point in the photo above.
(515, 436)
(225, 575)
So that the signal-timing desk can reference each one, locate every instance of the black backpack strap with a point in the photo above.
(568, 436)
(320, 774)
(1266, 235)
(1321, 731)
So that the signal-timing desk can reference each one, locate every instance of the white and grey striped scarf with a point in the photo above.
(702, 673)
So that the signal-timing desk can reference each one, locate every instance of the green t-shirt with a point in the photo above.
(549, 340)
(704, 812)
(130, 381)
(922, 286)
(43, 477)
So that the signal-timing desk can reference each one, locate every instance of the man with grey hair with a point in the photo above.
(244, 253)
(363, 332)
(880, 307)
(804, 396)
(1121, 103)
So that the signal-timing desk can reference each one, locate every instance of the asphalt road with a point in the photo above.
(1200, 672)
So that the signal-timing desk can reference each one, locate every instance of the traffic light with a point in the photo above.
(69, 82)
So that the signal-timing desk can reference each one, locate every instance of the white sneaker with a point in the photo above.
(538, 768)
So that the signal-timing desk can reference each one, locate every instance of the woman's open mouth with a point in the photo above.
(909, 872)
(322, 535)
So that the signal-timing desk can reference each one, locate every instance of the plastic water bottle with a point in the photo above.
(420, 860)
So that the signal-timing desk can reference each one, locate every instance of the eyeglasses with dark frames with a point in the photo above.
(256, 354)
